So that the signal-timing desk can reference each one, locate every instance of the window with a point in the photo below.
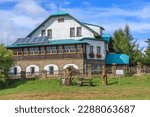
(42, 50)
(43, 33)
(49, 33)
(72, 32)
(36, 50)
(32, 70)
(72, 48)
(66, 48)
(48, 50)
(15, 70)
(79, 48)
(79, 32)
(25, 50)
(54, 49)
(15, 51)
(98, 50)
(91, 49)
(19, 51)
(51, 70)
(61, 20)
(60, 49)
(31, 50)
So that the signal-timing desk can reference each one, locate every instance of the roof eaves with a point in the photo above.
(94, 25)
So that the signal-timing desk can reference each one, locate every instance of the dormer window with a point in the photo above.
(43, 33)
(61, 20)
(72, 32)
(49, 33)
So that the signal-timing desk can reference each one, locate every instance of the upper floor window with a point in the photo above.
(54, 49)
(31, 50)
(48, 50)
(19, 51)
(25, 51)
(36, 50)
(61, 20)
(79, 48)
(43, 33)
(98, 50)
(42, 50)
(72, 32)
(72, 48)
(15, 51)
(91, 49)
(49, 33)
(60, 49)
(79, 31)
(66, 48)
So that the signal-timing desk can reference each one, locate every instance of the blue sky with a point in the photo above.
(19, 17)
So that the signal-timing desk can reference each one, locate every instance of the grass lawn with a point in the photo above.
(135, 87)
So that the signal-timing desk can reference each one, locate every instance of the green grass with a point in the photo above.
(123, 88)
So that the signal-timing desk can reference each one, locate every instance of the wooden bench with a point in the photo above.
(83, 81)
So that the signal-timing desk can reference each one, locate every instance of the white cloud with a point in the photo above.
(21, 20)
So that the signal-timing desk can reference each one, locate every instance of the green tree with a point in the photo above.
(146, 56)
(6, 61)
(124, 43)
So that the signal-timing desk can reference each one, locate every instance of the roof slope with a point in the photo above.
(63, 14)
(119, 59)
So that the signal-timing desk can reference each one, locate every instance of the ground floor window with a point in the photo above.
(51, 70)
(32, 70)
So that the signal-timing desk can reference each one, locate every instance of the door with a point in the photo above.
(15, 70)
(51, 70)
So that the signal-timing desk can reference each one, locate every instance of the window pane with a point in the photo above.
(48, 50)
(36, 50)
(25, 51)
(91, 49)
(61, 20)
(79, 48)
(54, 49)
(20, 51)
(98, 50)
(60, 49)
(43, 33)
(72, 48)
(79, 32)
(15, 51)
(31, 50)
(72, 32)
(66, 48)
(49, 33)
(42, 50)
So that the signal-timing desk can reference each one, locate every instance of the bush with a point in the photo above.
(3, 81)
(128, 73)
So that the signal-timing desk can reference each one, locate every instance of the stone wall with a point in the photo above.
(43, 62)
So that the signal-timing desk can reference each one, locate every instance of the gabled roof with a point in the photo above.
(61, 13)
(93, 25)
(119, 59)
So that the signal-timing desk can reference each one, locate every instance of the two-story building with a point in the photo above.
(61, 40)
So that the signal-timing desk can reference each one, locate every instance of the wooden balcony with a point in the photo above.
(51, 56)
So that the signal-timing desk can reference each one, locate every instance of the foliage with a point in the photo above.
(124, 42)
(146, 56)
(98, 55)
(91, 55)
(6, 61)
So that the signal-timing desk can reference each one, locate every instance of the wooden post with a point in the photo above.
(89, 71)
(23, 74)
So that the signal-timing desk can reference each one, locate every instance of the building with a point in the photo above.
(60, 41)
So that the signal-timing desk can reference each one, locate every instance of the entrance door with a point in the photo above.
(51, 70)
(15, 70)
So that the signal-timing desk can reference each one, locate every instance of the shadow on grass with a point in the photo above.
(12, 83)
(112, 83)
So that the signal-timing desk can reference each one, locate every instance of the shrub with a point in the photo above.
(128, 73)
(3, 80)
(98, 55)
(92, 55)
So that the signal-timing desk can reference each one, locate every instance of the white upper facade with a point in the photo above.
(64, 26)
(61, 27)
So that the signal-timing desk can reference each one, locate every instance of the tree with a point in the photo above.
(6, 61)
(124, 43)
(147, 53)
